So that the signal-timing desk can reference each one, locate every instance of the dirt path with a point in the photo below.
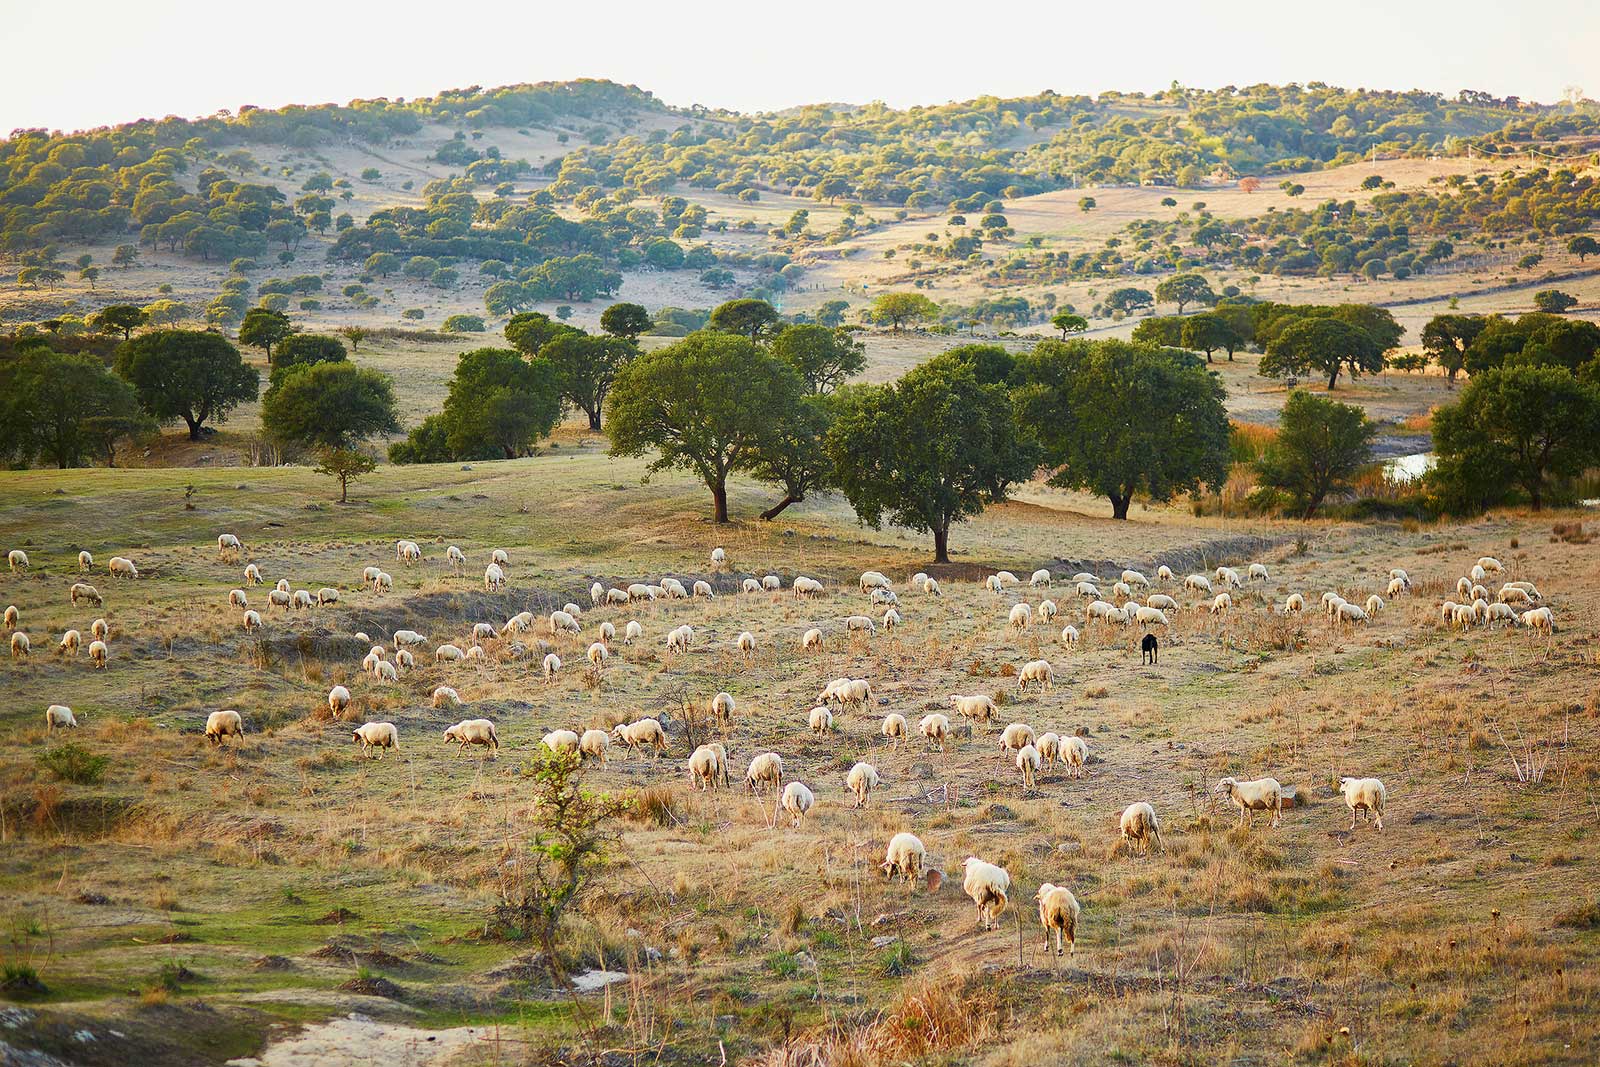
(361, 1039)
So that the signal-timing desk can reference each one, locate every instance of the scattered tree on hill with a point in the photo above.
(929, 451)
(586, 367)
(1185, 289)
(625, 320)
(1321, 445)
(532, 330)
(1554, 301)
(831, 312)
(898, 309)
(824, 357)
(1324, 345)
(1446, 339)
(753, 318)
(119, 318)
(1120, 419)
(1068, 323)
(64, 408)
(188, 374)
(345, 464)
(1583, 246)
(355, 335)
(1208, 332)
(327, 405)
(304, 350)
(262, 328)
(1129, 298)
(793, 456)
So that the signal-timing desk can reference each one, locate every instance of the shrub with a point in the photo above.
(463, 324)
(412, 313)
(74, 763)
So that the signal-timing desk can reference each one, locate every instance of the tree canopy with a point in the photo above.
(899, 309)
(189, 374)
(824, 357)
(1321, 445)
(753, 318)
(63, 409)
(329, 405)
(586, 367)
(1324, 345)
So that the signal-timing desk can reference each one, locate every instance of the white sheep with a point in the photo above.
(861, 781)
(631, 631)
(891, 619)
(747, 644)
(771, 583)
(403, 659)
(100, 628)
(821, 719)
(1374, 604)
(1220, 603)
(1478, 574)
(871, 580)
(765, 769)
(639, 734)
(1047, 610)
(1074, 754)
(375, 737)
(893, 728)
(1049, 746)
(20, 645)
(18, 560)
(1464, 588)
(608, 632)
(861, 623)
(1122, 591)
(935, 728)
(721, 707)
(1261, 794)
(680, 639)
(1132, 578)
(559, 741)
(383, 583)
(562, 621)
(1514, 594)
(708, 767)
(85, 561)
(369, 575)
(122, 567)
(674, 589)
(1164, 574)
(750, 585)
(598, 654)
(1294, 604)
(473, 732)
(993, 584)
(1150, 617)
(552, 665)
(228, 545)
(70, 642)
(885, 598)
(327, 595)
(443, 696)
(1069, 635)
(797, 800)
(904, 857)
(1257, 572)
(1016, 736)
(98, 653)
(987, 885)
(407, 552)
(1396, 587)
(718, 558)
(1501, 613)
(1199, 583)
(806, 587)
(703, 588)
(638, 591)
(931, 588)
(252, 574)
(85, 591)
(283, 585)
(58, 715)
(1490, 564)
(979, 706)
(252, 620)
(223, 724)
(1230, 577)
(448, 653)
(1041, 577)
(597, 593)
(385, 671)
(1088, 590)
(1028, 763)
(1161, 601)
(494, 578)
(236, 598)
(338, 699)
(1364, 794)
(594, 744)
(1139, 825)
(1538, 619)
(1035, 671)
(1352, 613)
(455, 557)
(1058, 913)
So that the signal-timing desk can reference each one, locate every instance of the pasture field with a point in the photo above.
(184, 903)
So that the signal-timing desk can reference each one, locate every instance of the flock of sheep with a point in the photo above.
(987, 884)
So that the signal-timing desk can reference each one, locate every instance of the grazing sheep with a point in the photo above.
(821, 719)
(1074, 755)
(384, 583)
(1478, 574)
(904, 857)
(339, 699)
(935, 728)
(931, 588)
(1028, 764)
(301, 600)
(979, 706)
(1199, 583)
(1221, 603)
(500, 556)
(1058, 913)
(443, 696)
(1161, 601)
(747, 644)
(1294, 604)
(552, 664)
(70, 642)
(707, 768)
(1007, 578)
(1139, 825)
(100, 628)
(636, 592)
(1041, 577)
(862, 780)
(1230, 577)
(385, 671)
(1374, 604)
(853, 691)
(1016, 736)
(894, 728)
(404, 659)
(283, 585)
(224, 724)
(1538, 619)
(680, 639)
(1501, 613)
(1464, 588)
(721, 707)
(1088, 590)
(327, 595)
(252, 620)
(718, 558)
(1021, 616)
(597, 593)
(750, 585)
(473, 732)
(1035, 671)
(861, 623)
(236, 598)
(98, 653)
(674, 589)
(1490, 564)
(1132, 578)
(1514, 594)
(631, 631)
(639, 734)
(563, 622)
(1257, 571)
(805, 587)
(18, 560)
(993, 584)
(1262, 794)
(1352, 613)
(987, 886)
(871, 580)
(1150, 617)
(797, 800)
(85, 561)
(456, 558)
(407, 552)
(369, 575)
(1396, 587)
(703, 588)
(771, 583)
(594, 744)
(885, 598)
(608, 632)
(1049, 746)
(121, 567)
(84, 591)
(891, 619)
(494, 578)
(402, 638)
(1364, 794)
(559, 741)
(228, 545)
(1122, 591)
(448, 654)
(58, 715)
(597, 654)
(1069, 635)
(765, 769)
(20, 645)
(1047, 610)
(375, 737)
(1164, 574)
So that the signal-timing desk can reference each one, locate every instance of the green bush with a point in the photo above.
(74, 763)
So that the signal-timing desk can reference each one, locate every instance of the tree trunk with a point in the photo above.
(1332, 378)
(1536, 497)
(344, 488)
(777, 509)
(941, 544)
(194, 428)
(1119, 505)
(719, 502)
(594, 420)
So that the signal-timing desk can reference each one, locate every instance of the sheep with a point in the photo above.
(1262, 794)
(1501, 613)
(885, 598)
(562, 621)
(1161, 601)
(1049, 746)
(1074, 754)
(766, 768)
(979, 706)
(1480, 593)
(1088, 590)
(797, 800)
(1058, 913)
(893, 728)
(223, 724)
(919, 580)
(904, 857)
(58, 715)
(1035, 671)
(1016, 736)
(1538, 619)
(771, 583)
(1132, 578)
(98, 653)
(552, 665)
(252, 620)
(403, 638)
(935, 728)
(931, 588)
(1150, 617)
(1220, 603)
(1514, 594)
(70, 642)
(597, 654)
(721, 707)
(718, 558)
(407, 552)
(375, 737)
(369, 575)
(494, 578)
(444, 696)
(891, 619)
(20, 645)
(1139, 825)
(635, 592)
(1374, 604)
(1352, 613)
(385, 671)
(1199, 583)
(559, 741)
(228, 544)
(84, 591)
(871, 580)
(747, 644)
(473, 732)
(1041, 577)
(805, 587)
(631, 631)
(855, 691)
(1028, 764)
(85, 562)
(448, 653)
(236, 598)
(750, 585)
(707, 768)
(1230, 577)
(1164, 574)
(283, 585)
(1069, 635)
(1464, 588)
(638, 734)
(339, 699)
(404, 659)
(1047, 610)
(594, 744)
(862, 780)
(1294, 604)
(384, 583)
(608, 632)
(483, 631)
(987, 886)
(1122, 591)
(861, 623)
(1085, 576)
(122, 567)
(100, 629)
(1478, 574)
(1396, 587)
(993, 584)
(674, 589)
(703, 588)
(821, 719)
(1490, 564)
(597, 593)
(680, 639)
(18, 560)
(1097, 609)
(1257, 571)
(1364, 794)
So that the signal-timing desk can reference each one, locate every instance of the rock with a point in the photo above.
(466, 466)
(921, 771)
(803, 958)
(652, 954)
(1070, 848)
(1083, 731)
(634, 934)
(885, 941)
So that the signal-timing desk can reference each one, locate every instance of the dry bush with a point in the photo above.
(931, 1018)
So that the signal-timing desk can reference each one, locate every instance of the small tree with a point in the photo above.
(262, 328)
(355, 335)
(1325, 345)
(625, 320)
(793, 456)
(1583, 246)
(1446, 339)
(345, 464)
(332, 408)
(1185, 289)
(753, 318)
(1129, 298)
(900, 308)
(119, 318)
(1554, 301)
(1068, 323)
(824, 357)
(1321, 445)
(586, 367)
(1209, 332)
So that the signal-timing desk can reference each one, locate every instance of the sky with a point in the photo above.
(119, 60)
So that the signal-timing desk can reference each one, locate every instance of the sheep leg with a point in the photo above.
(1352, 821)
